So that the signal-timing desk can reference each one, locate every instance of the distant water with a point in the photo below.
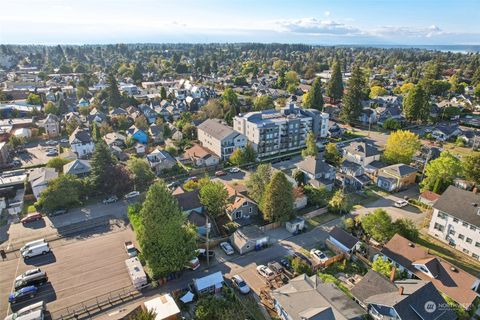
(443, 48)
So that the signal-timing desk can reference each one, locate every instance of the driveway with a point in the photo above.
(388, 204)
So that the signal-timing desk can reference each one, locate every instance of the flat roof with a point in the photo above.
(163, 306)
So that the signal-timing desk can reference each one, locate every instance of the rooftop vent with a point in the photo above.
(474, 204)
(452, 268)
(411, 245)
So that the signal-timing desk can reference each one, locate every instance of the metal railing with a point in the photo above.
(91, 307)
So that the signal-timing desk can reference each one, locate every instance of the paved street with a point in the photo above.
(387, 203)
(77, 269)
(17, 234)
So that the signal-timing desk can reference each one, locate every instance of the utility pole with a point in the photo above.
(207, 244)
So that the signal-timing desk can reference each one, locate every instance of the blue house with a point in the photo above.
(138, 134)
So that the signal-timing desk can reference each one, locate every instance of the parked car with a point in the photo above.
(227, 248)
(51, 153)
(194, 179)
(322, 257)
(39, 249)
(16, 163)
(131, 195)
(130, 248)
(286, 264)
(275, 267)
(265, 272)
(36, 279)
(28, 273)
(234, 170)
(111, 199)
(51, 143)
(32, 217)
(193, 264)
(22, 294)
(401, 203)
(31, 312)
(241, 285)
(64, 141)
(302, 257)
(173, 185)
(30, 244)
(202, 254)
(220, 173)
(58, 212)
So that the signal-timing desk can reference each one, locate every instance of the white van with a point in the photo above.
(31, 244)
(37, 250)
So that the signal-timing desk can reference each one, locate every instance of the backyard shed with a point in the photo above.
(208, 284)
(249, 238)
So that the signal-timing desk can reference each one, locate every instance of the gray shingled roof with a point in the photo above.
(462, 204)
(314, 165)
(362, 148)
(215, 129)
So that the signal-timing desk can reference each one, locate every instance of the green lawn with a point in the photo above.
(369, 196)
(322, 218)
(459, 151)
(28, 207)
(449, 254)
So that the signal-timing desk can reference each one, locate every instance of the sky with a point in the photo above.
(321, 22)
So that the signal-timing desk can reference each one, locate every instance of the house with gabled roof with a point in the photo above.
(81, 142)
(418, 263)
(239, 207)
(39, 178)
(396, 177)
(318, 173)
(201, 156)
(220, 138)
(78, 167)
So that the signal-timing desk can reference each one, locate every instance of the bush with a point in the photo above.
(230, 227)
(301, 267)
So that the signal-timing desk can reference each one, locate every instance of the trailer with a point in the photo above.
(136, 273)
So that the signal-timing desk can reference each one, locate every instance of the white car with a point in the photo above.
(240, 284)
(322, 257)
(30, 312)
(234, 170)
(227, 248)
(28, 273)
(52, 153)
(51, 143)
(132, 194)
(401, 203)
(265, 271)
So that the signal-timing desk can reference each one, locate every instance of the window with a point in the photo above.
(438, 227)
(245, 204)
(461, 236)
(238, 214)
(452, 232)
(473, 228)
(469, 240)
(477, 244)
(475, 256)
(465, 251)
(465, 224)
(455, 220)
(250, 210)
(442, 215)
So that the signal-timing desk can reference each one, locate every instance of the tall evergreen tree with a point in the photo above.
(352, 101)
(335, 85)
(113, 94)
(166, 242)
(311, 146)
(258, 180)
(314, 97)
(416, 106)
(102, 164)
(277, 201)
(96, 136)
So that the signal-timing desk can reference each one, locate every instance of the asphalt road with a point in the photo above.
(77, 270)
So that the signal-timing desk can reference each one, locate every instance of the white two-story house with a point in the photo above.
(456, 220)
(81, 142)
(220, 138)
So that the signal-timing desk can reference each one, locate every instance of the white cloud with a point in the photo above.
(327, 13)
(315, 26)
(416, 32)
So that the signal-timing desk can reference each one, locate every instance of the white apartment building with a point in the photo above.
(220, 138)
(272, 131)
(456, 220)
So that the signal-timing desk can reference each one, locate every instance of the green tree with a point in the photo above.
(299, 177)
(230, 98)
(15, 141)
(377, 91)
(113, 94)
(141, 123)
(471, 166)
(335, 85)
(137, 74)
(277, 202)
(213, 196)
(311, 148)
(476, 91)
(416, 106)
(291, 78)
(441, 172)
(316, 196)
(406, 228)
(62, 192)
(352, 101)
(314, 97)
(50, 107)
(382, 266)
(163, 93)
(401, 146)
(102, 164)
(236, 157)
(258, 180)
(34, 99)
(391, 124)
(263, 103)
(57, 163)
(144, 315)
(378, 225)
(224, 307)
(166, 242)
(141, 173)
(332, 155)
(339, 203)
(96, 135)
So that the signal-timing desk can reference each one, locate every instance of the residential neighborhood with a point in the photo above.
(243, 180)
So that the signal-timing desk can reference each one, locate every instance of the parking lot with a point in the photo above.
(77, 270)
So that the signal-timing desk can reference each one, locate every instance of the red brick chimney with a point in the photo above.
(392, 274)
(400, 290)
